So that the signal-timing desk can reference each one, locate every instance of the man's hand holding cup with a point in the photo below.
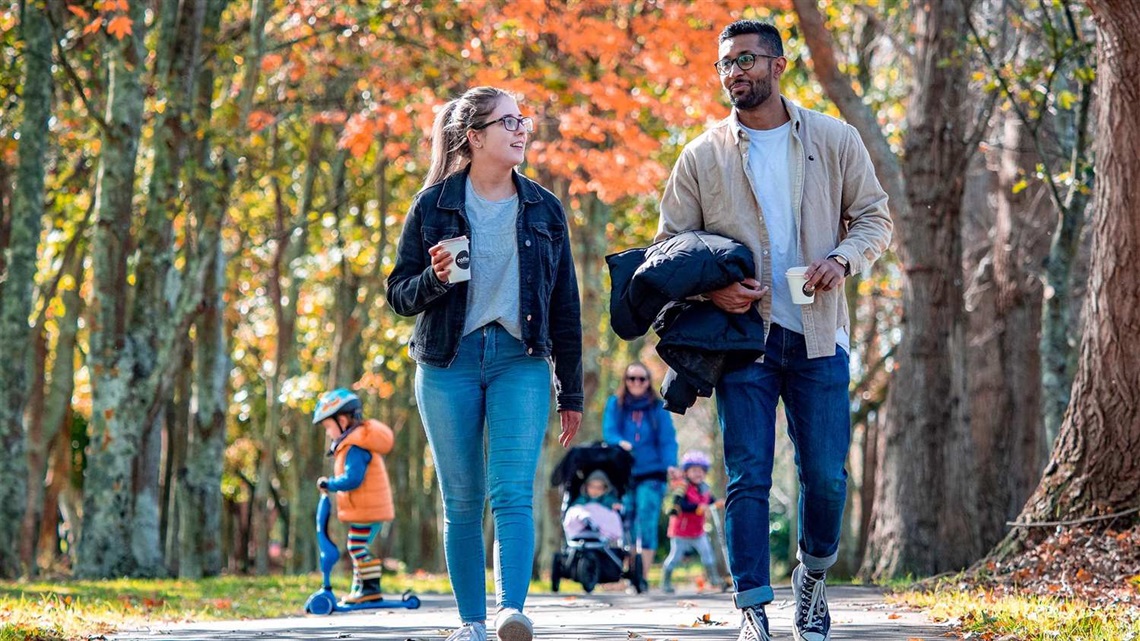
(824, 275)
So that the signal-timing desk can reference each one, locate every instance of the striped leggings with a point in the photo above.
(360, 537)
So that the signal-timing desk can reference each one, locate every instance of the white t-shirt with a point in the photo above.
(769, 164)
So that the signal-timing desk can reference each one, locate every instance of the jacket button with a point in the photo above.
(528, 243)
(530, 350)
(528, 318)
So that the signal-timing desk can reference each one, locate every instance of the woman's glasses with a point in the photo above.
(636, 379)
(510, 123)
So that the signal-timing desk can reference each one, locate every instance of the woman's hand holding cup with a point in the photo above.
(441, 261)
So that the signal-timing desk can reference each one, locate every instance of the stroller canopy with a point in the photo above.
(583, 460)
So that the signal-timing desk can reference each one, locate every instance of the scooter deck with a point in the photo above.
(324, 602)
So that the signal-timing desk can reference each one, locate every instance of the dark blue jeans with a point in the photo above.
(817, 406)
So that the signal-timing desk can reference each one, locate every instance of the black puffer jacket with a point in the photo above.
(699, 341)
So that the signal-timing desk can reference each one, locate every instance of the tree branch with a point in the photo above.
(851, 105)
(1091, 519)
(1054, 190)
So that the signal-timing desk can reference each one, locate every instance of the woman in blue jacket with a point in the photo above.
(636, 420)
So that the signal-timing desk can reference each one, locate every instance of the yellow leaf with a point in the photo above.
(120, 27)
(1020, 186)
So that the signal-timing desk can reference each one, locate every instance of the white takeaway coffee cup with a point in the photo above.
(796, 283)
(460, 250)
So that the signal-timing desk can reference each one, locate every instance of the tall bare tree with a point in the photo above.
(923, 517)
(1095, 466)
(140, 319)
(19, 276)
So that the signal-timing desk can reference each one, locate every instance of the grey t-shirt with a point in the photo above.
(493, 292)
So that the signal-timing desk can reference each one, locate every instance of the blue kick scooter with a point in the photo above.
(323, 601)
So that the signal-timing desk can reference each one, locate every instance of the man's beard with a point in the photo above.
(754, 97)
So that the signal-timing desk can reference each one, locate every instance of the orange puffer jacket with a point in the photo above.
(372, 501)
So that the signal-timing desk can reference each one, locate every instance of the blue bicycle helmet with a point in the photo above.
(337, 401)
(695, 458)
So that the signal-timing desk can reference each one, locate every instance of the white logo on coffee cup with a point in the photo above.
(463, 259)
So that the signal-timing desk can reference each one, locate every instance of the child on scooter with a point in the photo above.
(363, 494)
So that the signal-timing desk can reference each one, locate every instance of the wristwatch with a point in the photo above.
(842, 263)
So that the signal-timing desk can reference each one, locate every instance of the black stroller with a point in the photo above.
(588, 558)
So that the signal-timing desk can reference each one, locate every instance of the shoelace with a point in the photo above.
(814, 611)
(469, 632)
(755, 626)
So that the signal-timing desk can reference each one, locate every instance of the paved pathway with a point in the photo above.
(859, 613)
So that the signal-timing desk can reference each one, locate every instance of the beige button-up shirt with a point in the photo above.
(837, 201)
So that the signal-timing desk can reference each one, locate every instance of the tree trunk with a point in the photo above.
(284, 287)
(177, 419)
(1095, 468)
(1004, 361)
(132, 365)
(345, 368)
(54, 400)
(590, 252)
(200, 522)
(925, 511)
(20, 271)
(200, 500)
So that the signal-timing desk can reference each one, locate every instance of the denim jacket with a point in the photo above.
(549, 309)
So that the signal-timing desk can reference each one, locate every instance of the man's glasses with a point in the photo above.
(510, 123)
(636, 379)
(745, 61)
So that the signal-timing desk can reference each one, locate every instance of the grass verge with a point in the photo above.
(985, 615)
(80, 610)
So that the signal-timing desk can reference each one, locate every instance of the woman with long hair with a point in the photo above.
(491, 320)
(636, 419)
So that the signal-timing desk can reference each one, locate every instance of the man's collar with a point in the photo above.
(790, 107)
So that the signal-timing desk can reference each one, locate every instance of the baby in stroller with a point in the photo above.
(595, 513)
(593, 479)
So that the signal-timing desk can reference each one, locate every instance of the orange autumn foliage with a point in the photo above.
(609, 83)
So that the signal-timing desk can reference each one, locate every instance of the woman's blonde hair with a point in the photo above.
(450, 151)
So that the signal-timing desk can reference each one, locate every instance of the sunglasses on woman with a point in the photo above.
(636, 379)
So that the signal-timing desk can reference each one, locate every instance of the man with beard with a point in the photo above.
(798, 188)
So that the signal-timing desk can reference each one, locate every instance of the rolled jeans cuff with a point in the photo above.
(755, 596)
(816, 563)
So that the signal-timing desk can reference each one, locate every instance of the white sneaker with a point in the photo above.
(512, 625)
(469, 632)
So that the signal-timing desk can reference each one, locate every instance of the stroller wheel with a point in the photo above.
(588, 573)
(556, 572)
